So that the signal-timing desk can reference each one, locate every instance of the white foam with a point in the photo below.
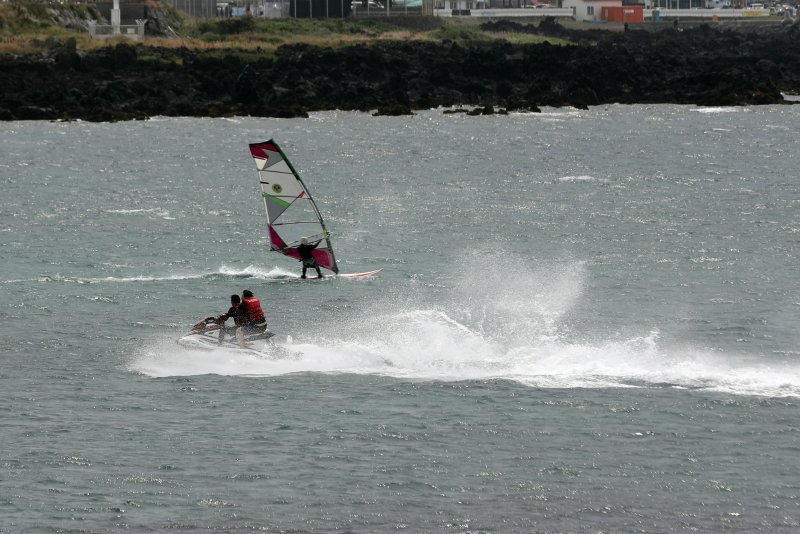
(159, 212)
(427, 345)
(163, 357)
(721, 109)
(581, 178)
(118, 279)
(252, 271)
(491, 326)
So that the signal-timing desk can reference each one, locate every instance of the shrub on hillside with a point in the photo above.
(229, 26)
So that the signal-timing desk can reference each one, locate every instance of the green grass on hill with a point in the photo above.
(26, 24)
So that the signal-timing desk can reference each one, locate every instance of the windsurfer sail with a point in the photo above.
(291, 211)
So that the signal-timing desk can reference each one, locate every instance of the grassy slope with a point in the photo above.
(26, 26)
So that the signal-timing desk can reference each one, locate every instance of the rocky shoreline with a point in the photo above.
(702, 65)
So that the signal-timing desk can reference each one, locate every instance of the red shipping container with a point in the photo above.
(622, 13)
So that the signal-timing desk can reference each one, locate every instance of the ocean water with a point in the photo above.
(587, 321)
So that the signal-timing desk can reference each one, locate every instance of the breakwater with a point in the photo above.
(702, 65)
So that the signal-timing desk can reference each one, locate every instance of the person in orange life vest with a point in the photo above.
(253, 319)
(304, 249)
(235, 312)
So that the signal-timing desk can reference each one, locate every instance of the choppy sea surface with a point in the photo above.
(587, 321)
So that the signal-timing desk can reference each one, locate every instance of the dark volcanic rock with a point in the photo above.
(393, 111)
(696, 66)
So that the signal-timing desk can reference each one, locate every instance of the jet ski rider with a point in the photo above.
(253, 321)
(247, 315)
(235, 312)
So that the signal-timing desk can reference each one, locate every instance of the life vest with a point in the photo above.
(253, 311)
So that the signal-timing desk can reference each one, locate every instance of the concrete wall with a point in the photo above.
(503, 13)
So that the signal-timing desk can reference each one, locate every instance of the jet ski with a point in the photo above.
(210, 334)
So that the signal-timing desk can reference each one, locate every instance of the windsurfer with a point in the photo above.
(289, 205)
(304, 249)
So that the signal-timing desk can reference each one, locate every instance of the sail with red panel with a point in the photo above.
(291, 212)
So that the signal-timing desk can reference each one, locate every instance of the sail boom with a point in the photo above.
(294, 222)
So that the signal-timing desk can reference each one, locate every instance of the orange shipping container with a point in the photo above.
(622, 13)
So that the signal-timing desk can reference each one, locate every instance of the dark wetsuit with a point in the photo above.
(308, 258)
(305, 254)
(238, 315)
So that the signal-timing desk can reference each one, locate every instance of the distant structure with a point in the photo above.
(202, 9)
(605, 10)
(303, 8)
(617, 11)
(625, 11)
(589, 10)
(116, 28)
(499, 9)
(115, 18)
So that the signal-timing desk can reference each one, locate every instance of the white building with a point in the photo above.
(589, 10)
